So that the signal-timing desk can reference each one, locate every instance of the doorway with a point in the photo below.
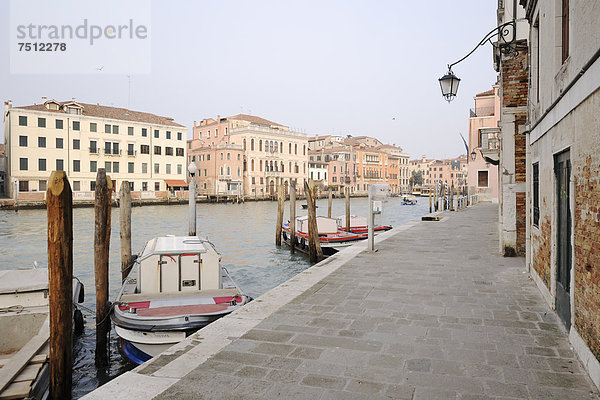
(562, 170)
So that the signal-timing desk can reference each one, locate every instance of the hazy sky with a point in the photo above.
(323, 67)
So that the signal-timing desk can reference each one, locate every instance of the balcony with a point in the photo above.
(112, 152)
(273, 173)
(131, 153)
(489, 140)
(225, 177)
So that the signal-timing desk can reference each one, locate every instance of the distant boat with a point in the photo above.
(25, 332)
(175, 287)
(305, 206)
(330, 237)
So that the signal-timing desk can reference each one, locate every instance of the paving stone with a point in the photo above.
(274, 348)
(323, 381)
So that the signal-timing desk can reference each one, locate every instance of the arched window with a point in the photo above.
(229, 171)
(260, 145)
(252, 165)
(244, 143)
(221, 170)
(290, 166)
(282, 167)
(281, 147)
(295, 148)
(260, 169)
(290, 148)
(251, 144)
(304, 150)
(238, 171)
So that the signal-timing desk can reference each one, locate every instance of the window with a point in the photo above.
(221, 170)
(252, 165)
(58, 123)
(168, 134)
(144, 186)
(565, 30)
(208, 157)
(260, 145)
(536, 194)
(115, 129)
(106, 128)
(130, 130)
(156, 186)
(92, 186)
(76, 166)
(179, 151)
(60, 165)
(228, 156)
(42, 186)
(156, 168)
(144, 168)
(23, 186)
(23, 141)
(93, 127)
(216, 132)
(157, 150)
(59, 144)
(168, 169)
(156, 135)
(93, 166)
(221, 156)
(144, 132)
(76, 186)
(168, 151)
(42, 141)
(179, 136)
(130, 151)
(93, 148)
(251, 144)
(144, 149)
(107, 166)
(179, 169)
(482, 178)
(41, 122)
(238, 157)
(131, 186)
(41, 164)
(76, 126)
(239, 171)
(76, 144)
(253, 180)
(115, 148)
(22, 120)
(115, 167)
(295, 148)
(205, 172)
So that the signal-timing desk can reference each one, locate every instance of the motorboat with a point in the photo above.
(175, 287)
(330, 237)
(25, 332)
(409, 200)
(359, 224)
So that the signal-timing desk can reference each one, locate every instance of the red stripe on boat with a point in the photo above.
(227, 299)
(137, 304)
(172, 311)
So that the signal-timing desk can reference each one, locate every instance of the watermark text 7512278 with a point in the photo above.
(35, 46)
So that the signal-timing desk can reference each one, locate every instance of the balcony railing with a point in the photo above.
(111, 152)
(132, 152)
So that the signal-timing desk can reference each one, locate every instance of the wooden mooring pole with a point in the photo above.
(347, 209)
(59, 208)
(280, 198)
(315, 253)
(125, 221)
(293, 217)
(330, 203)
(430, 201)
(102, 209)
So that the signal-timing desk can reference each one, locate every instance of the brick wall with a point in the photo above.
(520, 150)
(515, 74)
(542, 255)
(521, 223)
(587, 252)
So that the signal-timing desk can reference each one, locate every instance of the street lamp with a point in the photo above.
(449, 85)
(192, 169)
(473, 155)
(449, 82)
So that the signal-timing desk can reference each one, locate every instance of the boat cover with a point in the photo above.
(23, 280)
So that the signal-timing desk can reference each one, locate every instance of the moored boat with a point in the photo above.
(175, 287)
(359, 224)
(25, 333)
(330, 237)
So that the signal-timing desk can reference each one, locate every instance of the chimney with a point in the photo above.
(7, 106)
(218, 119)
(194, 124)
(73, 98)
(44, 99)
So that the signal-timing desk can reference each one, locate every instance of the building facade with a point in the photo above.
(563, 167)
(484, 146)
(145, 149)
(272, 154)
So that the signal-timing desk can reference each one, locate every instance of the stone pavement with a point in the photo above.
(436, 313)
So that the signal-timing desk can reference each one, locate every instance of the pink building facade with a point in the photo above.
(483, 145)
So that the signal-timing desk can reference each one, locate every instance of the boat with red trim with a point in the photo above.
(359, 224)
(175, 287)
(331, 238)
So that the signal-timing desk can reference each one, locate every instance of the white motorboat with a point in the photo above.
(24, 332)
(175, 287)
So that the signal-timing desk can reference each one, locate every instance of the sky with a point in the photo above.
(321, 67)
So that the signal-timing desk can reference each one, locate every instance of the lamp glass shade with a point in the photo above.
(192, 168)
(449, 85)
(473, 155)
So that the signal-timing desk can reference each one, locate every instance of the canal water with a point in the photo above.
(244, 234)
